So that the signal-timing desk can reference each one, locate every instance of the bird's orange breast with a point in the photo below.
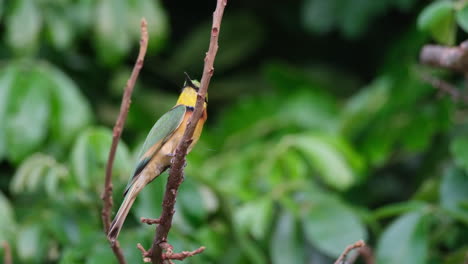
(198, 128)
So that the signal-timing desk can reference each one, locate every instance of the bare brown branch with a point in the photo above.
(150, 221)
(7, 258)
(145, 254)
(454, 58)
(348, 249)
(176, 174)
(125, 105)
(184, 254)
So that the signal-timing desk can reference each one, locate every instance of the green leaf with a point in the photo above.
(37, 173)
(35, 177)
(69, 255)
(462, 17)
(156, 17)
(286, 245)
(81, 14)
(59, 29)
(331, 225)
(459, 150)
(380, 140)
(438, 18)
(39, 96)
(398, 209)
(7, 77)
(28, 115)
(191, 201)
(336, 162)
(23, 26)
(31, 243)
(89, 158)
(255, 216)
(360, 109)
(149, 202)
(71, 112)
(7, 221)
(53, 177)
(213, 237)
(127, 240)
(405, 241)
(453, 193)
(420, 130)
(100, 254)
(112, 39)
(311, 110)
(428, 190)
(293, 165)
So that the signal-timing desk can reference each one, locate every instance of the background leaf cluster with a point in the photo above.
(320, 129)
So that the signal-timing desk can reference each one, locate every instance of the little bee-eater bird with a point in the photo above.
(159, 148)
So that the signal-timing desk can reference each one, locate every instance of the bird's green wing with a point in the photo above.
(158, 135)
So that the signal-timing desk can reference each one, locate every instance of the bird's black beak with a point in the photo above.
(188, 81)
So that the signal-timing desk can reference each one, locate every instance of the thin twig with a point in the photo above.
(454, 58)
(184, 254)
(150, 221)
(125, 105)
(176, 174)
(145, 254)
(343, 255)
(444, 87)
(7, 258)
(169, 255)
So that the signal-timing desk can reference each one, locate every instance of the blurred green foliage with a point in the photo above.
(320, 131)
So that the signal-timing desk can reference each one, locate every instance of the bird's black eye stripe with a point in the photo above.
(190, 108)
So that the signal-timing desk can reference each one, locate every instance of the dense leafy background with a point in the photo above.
(320, 130)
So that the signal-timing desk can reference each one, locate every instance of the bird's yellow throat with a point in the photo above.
(188, 97)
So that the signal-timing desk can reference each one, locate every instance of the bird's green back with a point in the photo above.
(160, 132)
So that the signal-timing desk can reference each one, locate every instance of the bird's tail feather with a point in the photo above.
(119, 218)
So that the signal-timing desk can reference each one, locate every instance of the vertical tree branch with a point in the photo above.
(7, 258)
(125, 105)
(176, 174)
